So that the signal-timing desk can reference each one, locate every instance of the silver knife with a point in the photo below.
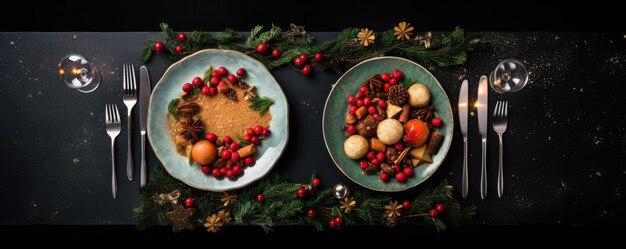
(144, 97)
(483, 104)
(463, 123)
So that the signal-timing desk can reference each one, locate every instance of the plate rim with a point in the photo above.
(287, 129)
(324, 119)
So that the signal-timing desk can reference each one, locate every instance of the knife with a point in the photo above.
(144, 97)
(463, 123)
(483, 104)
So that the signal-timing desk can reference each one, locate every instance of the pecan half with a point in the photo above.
(188, 109)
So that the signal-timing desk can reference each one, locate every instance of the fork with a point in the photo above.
(113, 127)
(499, 126)
(130, 99)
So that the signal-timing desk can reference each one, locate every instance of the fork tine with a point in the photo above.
(124, 78)
(117, 114)
(501, 111)
(506, 108)
(495, 109)
(133, 81)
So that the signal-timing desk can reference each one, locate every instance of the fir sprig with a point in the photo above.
(260, 104)
(171, 108)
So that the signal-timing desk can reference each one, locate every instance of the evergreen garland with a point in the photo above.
(282, 207)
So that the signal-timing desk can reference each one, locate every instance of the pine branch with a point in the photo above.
(206, 76)
(260, 104)
(146, 53)
(171, 108)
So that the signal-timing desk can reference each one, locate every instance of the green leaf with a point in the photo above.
(171, 108)
(206, 76)
(260, 104)
(146, 53)
(168, 33)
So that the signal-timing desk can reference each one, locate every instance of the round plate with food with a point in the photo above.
(388, 124)
(218, 120)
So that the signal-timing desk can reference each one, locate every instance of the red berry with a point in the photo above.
(214, 81)
(260, 198)
(205, 90)
(359, 102)
(432, 213)
(376, 117)
(398, 146)
(197, 81)
(397, 74)
(231, 78)
(298, 62)
(254, 140)
(225, 154)
(338, 220)
(396, 168)
(249, 161)
(211, 137)
(400, 177)
(215, 73)
(384, 177)
(351, 100)
(393, 81)
(301, 192)
(234, 156)
(216, 173)
(181, 37)
(359, 95)
(363, 164)
(276, 53)
(258, 129)
(187, 86)
(385, 77)
(311, 213)
(406, 204)
(439, 207)
(351, 110)
(375, 161)
(351, 129)
(315, 182)
(306, 70)
(247, 138)
(436, 122)
(178, 48)
(363, 89)
(382, 104)
(222, 70)
(222, 82)
(380, 156)
(318, 57)
(331, 223)
(158, 46)
(237, 169)
(250, 131)
(371, 109)
(367, 101)
(241, 72)
(303, 57)
(371, 155)
(188, 202)
(229, 174)
(408, 171)
(212, 90)
(386, 87)
(261, 48)
(223, 170)
(234, 146)
(228, 139)
(266, 132)
(205, 169)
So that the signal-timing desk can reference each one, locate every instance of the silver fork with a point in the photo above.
(130, 99)
(499, 123)
(113, 127)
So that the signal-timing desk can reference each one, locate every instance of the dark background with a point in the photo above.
(567, 142)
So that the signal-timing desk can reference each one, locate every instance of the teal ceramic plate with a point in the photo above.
(169, 87)
(336, 108)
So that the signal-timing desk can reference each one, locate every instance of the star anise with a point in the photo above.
(397, 95)
(347, 204)
(425, 114)
(190, 128)
(228, 198)
(373, 82)
(393, 209)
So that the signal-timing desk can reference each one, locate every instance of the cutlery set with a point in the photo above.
(114, 124)
(499, 123)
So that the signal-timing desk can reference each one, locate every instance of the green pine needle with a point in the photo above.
(171, 108)
(207, 74)
(260, 104)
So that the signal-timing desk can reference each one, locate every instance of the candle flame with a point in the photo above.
(61, 71)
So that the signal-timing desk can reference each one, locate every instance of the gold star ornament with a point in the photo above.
(347, 204)
(366, 37)
(213, 223)
(403, 31)
(228, 198)
(392, 210)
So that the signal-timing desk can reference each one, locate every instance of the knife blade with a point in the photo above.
(483, 104)
(463, 96)
(144, 97)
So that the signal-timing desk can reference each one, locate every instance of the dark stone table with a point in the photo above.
(564, 147)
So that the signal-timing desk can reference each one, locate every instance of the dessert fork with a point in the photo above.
(130, 99)
(499, 126)
(113, 127)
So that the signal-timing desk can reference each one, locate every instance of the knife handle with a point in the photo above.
(464, 184)
(143, 160)
(483, 171)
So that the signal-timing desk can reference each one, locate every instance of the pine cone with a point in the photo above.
(397, 95)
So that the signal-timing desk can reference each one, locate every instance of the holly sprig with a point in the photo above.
(281, 206)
